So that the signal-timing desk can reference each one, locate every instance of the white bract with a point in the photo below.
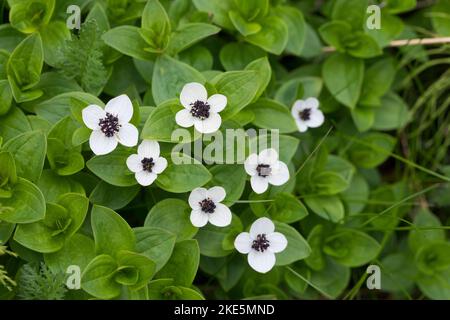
(147, 163)
(265, 168)
(199, 110)
(307, 114)
(261, 244)
(206, 206)
(110, 125)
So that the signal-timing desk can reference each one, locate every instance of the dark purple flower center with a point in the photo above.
(263, 170)
(200, 109)
(261, 243)
(147, 164)
(109, 125)
(305, 114)
(207, 205)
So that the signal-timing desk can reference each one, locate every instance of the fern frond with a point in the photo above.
(81, 59)
(38, 282)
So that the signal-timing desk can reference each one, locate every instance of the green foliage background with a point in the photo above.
(371, 186)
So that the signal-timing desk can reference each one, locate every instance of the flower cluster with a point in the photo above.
(112, 126)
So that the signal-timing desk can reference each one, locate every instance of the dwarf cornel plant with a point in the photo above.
(98, 200)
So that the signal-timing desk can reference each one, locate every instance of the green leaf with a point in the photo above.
(169, 77)
(351, 11)
(363, 117)
(316, 260)
(183, 264)
(314, 46)
(53, 185)
(111, 232)
(361, 45)
(107, 195)
(392, 27)
(29, 151)
(399, 272)
(65, 104)
(184, 175)
(135, 270)
(351, 248)
(297, 247)
(78, 250)
(244, 27)
(236, 56)
(8, 171)
(219, 10)
(284, 208)
(440, 18)
(332, 279)
(127, 40)
(98, 278)
(232, 178)
(25, 66)
(264, 74)
(435, 286)
(29, 16)
(357, 195)
(27, 203)
(156, 244)
(155, 25)
(399, 6)
(289, 91)
(425, 219)
(214, 241)
(434, 257)
(161, 124)
(54, 36)
(61, 221)
(328, 207)
(64, 161)
(112, 168)
(270, 114)
(296, 28)
(378, 79)
(6, 231)
(273, 36)
(329, 183)
(343, 76)
(5, 97)
(198, 57)
(335, 33)
(373, 150)
(240, 88)
(188, 35)
(172, 215)
(13, 124)
(10, 37)
(393, 113)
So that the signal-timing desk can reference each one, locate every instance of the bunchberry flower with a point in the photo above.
(110, 125)
(265, 168)
(206, 206)
(307, 114)
(261, 244)
(199, 110)
(147, 163)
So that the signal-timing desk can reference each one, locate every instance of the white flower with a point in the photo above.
(206, 206)
(200, 111)
(261, 244)
(264, 169)
(307, 114)
(110, 125)
(147, 163)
